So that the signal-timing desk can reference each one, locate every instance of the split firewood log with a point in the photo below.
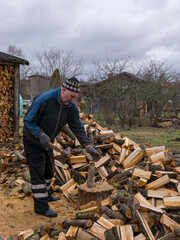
(111, 234)
(169, 236)
(87, 215)
(26, 188)
(77, 176)
(77, 222)
(125, 210)
(111, 214)
(125, 174)
(19, 156)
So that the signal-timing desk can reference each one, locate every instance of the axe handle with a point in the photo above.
(56, 148)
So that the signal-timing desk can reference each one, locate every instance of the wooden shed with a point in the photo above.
(9, 96)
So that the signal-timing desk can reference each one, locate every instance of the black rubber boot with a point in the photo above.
(53, 199)
(49, 213)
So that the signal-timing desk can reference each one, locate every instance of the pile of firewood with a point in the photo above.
(6, 102)
(143, 198)
(170, 123)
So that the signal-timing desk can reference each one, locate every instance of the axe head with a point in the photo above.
(62, 157)
(64, 153)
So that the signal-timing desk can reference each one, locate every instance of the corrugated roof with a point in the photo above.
(4, 57)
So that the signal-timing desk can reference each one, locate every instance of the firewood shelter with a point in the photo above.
(9, 95)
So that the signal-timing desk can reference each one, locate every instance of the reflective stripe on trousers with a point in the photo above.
(41, 190)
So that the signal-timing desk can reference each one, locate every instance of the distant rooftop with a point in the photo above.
(4, 57)
(37, 76)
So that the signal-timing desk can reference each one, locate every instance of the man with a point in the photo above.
(48, 114)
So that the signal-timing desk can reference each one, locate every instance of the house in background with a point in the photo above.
(36, 84)
(99, 96)
(121, 85)
(33, 86)
(95, 95)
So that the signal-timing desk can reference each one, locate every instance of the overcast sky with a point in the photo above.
(94, 28)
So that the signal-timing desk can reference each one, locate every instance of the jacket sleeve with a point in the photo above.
(32, 116)
(77, 127)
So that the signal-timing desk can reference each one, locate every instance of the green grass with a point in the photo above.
(145, 135)
(154, 137)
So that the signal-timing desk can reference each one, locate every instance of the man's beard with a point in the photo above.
(66, 102)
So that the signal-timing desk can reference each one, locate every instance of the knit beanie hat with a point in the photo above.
(72, 84)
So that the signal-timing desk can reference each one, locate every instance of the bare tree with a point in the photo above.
(156, 90)
(124, 95)
(173, 87)
(14, 50)
(111, 86)
(51, 59)
(17, 51)
(111, 67)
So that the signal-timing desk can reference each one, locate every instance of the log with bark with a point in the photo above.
(100, 192)
(77, 222)
(111, 214)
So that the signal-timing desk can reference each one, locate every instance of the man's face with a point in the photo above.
(67, 96)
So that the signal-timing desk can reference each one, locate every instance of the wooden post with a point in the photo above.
(16, 101)
(91, 171)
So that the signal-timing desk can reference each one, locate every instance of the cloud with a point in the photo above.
(93, 28)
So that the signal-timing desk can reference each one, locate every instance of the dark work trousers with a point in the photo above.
(41, 164)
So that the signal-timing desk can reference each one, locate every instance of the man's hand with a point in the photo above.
(44, 140)
(94, 153)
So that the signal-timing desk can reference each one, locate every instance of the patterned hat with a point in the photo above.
(72, 84)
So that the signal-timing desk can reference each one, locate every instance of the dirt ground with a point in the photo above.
(17, 214)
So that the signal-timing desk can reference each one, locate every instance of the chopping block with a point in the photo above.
(99, 192)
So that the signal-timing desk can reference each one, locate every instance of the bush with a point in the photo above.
(82, 106)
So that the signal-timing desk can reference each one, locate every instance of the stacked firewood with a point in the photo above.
(6, 102)
(136, 193)
(14, 172)
(146, 199)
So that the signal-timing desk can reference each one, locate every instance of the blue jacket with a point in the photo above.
(43, 115)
